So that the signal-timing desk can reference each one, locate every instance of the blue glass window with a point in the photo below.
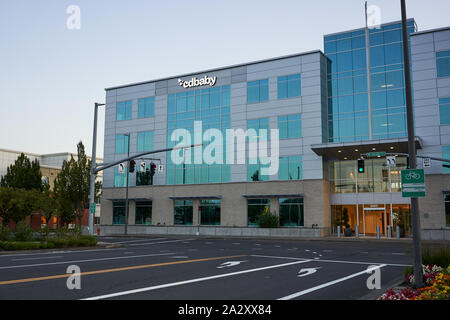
(290, 168)
(145, 141)
(443, 64)
(123, 110)
(121, 143)
(446, 155)
(120, 179)
(258, 91)
(146, 107)
(290, 127)
(444, 110)
(289, 86)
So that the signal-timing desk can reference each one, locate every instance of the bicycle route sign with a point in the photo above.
(413, 183)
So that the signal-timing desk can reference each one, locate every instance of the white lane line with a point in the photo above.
(38, 258)
(173, 284)
(141, 240)
(143, 244)
(87, 260)
(303, 292)
(334, 261)
(57, 252)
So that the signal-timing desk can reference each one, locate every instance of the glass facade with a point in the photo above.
(258, 91)
(143, 213)
(210, 212)
(120, 179)
(289, 86)
(144, 178)
(212, 107)
(290, 127)
(253, 165)
(183, 212)
(121, 143)
(291, 212)
(119, 212)
(375, 178)
(123, 110)
(145, 141)
(348, 101)
(446, 155)
(146, 107)
(444, 110)
(371, 217)
(256, 207)
(290, 168)
(443, 64)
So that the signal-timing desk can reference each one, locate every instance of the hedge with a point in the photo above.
(82, 241)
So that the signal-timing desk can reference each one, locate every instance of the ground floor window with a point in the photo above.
(143, 213)
(210, 212)
(447, 210)
(119, 212)
(291, 212)
(256, 207)
(183, 212)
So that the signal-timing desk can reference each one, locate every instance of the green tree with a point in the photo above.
(71, 187)
(23, 174)
(17, 204)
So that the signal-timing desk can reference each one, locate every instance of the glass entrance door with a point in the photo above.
(373, 218)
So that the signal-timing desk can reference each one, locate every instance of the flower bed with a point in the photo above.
(436, 279)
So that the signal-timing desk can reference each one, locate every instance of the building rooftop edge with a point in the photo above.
(430, 31)
(358, 29)
(217, 69)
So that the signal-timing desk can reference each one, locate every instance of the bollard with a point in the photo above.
(397, 231)
(378, 232)
(357, 231)
(338, 231)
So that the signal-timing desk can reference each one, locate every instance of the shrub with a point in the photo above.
(268, 220)
(23, 232)
(5, 233)
(436, 256)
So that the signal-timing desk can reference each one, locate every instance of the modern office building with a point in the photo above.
(329, 108)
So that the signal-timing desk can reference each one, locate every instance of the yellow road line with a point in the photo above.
(115, 270)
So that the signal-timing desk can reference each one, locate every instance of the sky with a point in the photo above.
(51, 74)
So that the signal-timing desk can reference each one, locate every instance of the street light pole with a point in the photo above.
(93, 173)
(412, 154)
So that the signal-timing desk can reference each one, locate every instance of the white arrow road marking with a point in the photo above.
(229, 264)
(307, 271)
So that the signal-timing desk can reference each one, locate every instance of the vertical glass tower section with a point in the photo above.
(349, 108)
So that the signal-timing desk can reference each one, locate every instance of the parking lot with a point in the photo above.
(162, 268)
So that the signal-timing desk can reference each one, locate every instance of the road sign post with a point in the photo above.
(413, 183)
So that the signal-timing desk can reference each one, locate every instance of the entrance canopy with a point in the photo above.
(353, 150)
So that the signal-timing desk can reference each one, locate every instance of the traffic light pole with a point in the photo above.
(93, 172)
(126, 193)
(412, 154)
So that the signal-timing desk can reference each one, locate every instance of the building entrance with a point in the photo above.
(368, 217)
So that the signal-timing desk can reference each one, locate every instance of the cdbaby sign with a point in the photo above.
(194, 82)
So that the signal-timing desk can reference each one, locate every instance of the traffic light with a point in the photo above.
(152, 169)
(361, 166)
(132, 166)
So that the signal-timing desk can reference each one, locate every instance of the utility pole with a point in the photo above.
(412, 154)
(93, 172)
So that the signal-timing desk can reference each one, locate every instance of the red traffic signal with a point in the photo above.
(132, 166)
(152, 169)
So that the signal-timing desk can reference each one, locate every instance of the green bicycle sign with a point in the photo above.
(413, 183)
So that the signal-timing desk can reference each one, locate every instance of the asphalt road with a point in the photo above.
(206, 269)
